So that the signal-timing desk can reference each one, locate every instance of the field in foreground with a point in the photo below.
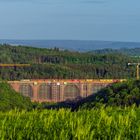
(104, 123)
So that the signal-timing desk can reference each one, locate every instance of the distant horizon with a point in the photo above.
(125, 41)
(74, 45)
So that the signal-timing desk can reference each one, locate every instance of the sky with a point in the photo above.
(111, 20)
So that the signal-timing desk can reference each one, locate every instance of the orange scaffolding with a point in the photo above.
(15, 65)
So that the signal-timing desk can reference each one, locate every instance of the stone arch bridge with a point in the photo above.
(54, 90)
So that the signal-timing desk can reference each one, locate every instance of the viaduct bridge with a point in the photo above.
(54, 90)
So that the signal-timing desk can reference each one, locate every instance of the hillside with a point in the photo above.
(9, 99)
(119, 94)
(63, 64)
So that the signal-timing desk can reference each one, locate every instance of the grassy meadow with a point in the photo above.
(103, 123)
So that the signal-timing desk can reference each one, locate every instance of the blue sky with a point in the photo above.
(117, 20)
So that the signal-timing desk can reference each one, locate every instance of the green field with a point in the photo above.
(104, 123)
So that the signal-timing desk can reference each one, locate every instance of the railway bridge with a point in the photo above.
(56, 90)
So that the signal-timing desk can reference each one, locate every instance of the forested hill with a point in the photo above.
(131, 52)
(9, 99)
(56, 63)
(118, 94)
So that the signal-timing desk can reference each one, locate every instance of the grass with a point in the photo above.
(104, 123)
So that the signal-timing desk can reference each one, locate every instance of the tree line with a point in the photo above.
(56, 63)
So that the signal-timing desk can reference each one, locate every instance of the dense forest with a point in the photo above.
(56, 63)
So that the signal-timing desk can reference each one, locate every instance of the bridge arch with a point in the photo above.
(26, 90)
(71, 92)
(44, 92)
